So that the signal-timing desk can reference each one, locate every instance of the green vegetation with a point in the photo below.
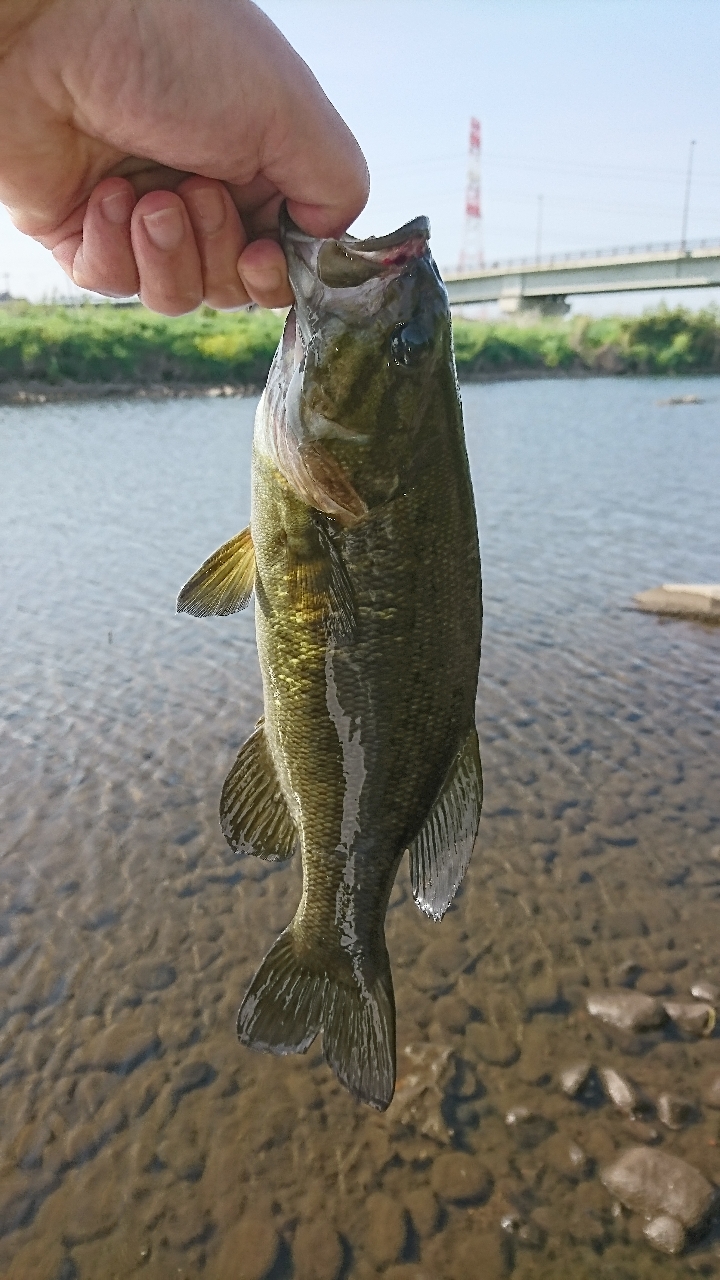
(108, 344)
(656, 342)
(113, 344)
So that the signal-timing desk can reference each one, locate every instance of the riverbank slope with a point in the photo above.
(56, 351)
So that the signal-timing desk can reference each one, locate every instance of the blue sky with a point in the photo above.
(590, 103)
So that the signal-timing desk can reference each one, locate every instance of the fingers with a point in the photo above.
(104, 259)
(220, 240)
(263, 271)
(175, 249)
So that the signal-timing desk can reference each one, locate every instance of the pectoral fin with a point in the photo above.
(224, 583)
(440, 853)
(253, 814)
(318, 580)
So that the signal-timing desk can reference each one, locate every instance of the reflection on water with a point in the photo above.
(138, 1137)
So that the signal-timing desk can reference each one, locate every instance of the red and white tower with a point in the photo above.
(471, 254)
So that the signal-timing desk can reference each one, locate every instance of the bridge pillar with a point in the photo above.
(513, 302)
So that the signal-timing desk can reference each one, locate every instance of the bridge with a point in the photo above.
(529, 284)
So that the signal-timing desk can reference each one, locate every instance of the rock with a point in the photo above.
(530, 1129)
(626, 1010)
(651, 1182)
(38, 1260)
(192, 1075)
(530, 1235)
(461, 1178)
(697, 1017)
(122, 1047)
(492, 1044)
(420, 1090)
(665, 1233)
(386, 1228)
(573, 1079)
(422, 1205)
(249, 1249)
(711, 1092)
(154, 977)
(619, 1090)
(682, 600)
(707, 991)
(674, 1112)
(566, 1158)
(317, 1251)
(653, 984)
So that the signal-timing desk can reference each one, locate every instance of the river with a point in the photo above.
(137, 1136)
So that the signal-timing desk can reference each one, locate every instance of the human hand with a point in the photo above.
(150, 146)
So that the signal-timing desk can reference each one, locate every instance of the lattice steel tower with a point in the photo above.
(471, 253)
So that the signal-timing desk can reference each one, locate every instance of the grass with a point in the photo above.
(109, 344)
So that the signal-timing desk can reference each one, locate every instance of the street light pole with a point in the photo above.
(538, 230)
(686, 207)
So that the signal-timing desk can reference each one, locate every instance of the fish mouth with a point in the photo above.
(346, 262)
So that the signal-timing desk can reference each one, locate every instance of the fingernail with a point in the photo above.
(117, 207)
(209, 208)
(165, 229)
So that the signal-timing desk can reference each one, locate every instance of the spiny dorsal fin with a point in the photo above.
(224, 583)
(319, 583)
(253, 814)
(440, 852)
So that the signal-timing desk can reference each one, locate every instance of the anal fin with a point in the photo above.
(440, 852)
(224, 583)
(254, 816)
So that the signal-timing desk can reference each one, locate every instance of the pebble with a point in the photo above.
(386, 1228)
(626, 1010)
(619, 1090)
(418, 1103)
(122, 1047)
(674, 1112)
(711, 1092)
(573, 1079)
(192, 1075)
(248, 1250)
(665, 1233)
(708, 991)
(317, 1252)
(652, 1182)
(461, 1178)
(696, 1017)
(424, 1209)
(492, 1045)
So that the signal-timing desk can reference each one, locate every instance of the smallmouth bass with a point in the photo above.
(363, 554)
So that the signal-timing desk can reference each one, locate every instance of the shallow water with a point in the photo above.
(137, 1136)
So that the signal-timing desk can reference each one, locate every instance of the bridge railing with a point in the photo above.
(669, 246)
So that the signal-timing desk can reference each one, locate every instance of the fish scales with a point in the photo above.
(366, 570)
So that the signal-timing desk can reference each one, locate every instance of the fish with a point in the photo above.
(363, 555)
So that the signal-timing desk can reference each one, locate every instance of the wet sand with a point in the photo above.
(138, 1137)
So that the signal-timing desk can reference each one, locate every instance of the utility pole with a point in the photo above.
(538, 230)
(686, 206)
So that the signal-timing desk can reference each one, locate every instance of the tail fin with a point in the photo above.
(287, 1004)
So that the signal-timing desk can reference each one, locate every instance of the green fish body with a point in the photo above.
(363, 554)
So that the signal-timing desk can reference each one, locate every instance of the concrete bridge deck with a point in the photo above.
(528, 284)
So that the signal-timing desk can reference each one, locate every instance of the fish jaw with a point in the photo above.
(346, 396)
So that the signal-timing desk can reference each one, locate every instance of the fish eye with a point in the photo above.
(409, 342)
